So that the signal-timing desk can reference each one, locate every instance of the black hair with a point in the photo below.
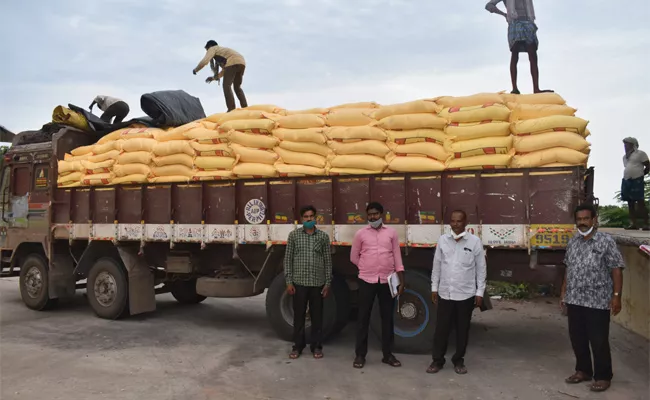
(211, 43)
(460, 211)
(376, 206)
(585, 207)
(308, 208)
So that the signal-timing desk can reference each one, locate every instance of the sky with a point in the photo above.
(318, 53)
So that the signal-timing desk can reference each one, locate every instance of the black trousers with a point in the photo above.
(367, 294)
(452, 313)
(312, 296)
(119, 110)
(233, 76)
(590, 327)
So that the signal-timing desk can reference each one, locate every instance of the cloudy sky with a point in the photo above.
(324, 52)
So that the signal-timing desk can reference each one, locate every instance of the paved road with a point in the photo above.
(225, 349)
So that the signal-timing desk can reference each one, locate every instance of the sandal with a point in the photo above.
(600, 386)
(318, 353)
(578, 377)
(392, 361)
(359, 362)
(434, 368)
(294, 354)
(460, 369)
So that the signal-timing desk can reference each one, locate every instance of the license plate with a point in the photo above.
(551, 235)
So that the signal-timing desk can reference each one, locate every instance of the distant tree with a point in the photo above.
(613, 216)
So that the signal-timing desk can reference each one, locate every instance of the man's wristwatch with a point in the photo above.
(617, 294)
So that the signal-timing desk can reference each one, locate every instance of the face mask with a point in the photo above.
(309, 224)
(587, 233)
(460, 235)
(376, 224)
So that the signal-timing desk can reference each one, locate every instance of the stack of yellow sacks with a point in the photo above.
(90, 165)
(547, 134)
(133, 161)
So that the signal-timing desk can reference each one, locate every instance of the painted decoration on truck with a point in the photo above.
(255, 211)
(130, 232)
(503, 235)
(158, 232)
(188, 233)
(220, 233)
(252, 234)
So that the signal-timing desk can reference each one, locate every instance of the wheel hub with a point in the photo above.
(105, 289)
(33, 282)
(408, 310)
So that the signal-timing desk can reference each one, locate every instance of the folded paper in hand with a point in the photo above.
(393, 283)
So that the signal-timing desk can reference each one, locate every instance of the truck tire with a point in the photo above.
(415, 320)
(107, 289)
(185, 292)
(341, 293)
(34, 283)
(279, 310)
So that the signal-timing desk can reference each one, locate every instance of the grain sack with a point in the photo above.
(414, 164)
(350, 171)
(528, 144)
(70, 185)
(90, 168)
(130, 179)
(486, 112)
(548, 156)
(209, 125)
(421, 149)
(286, 170)
(349, 117)
(69, 166)
(80, 151)
(268, 108)
(109, 146)
(521, 112)
(480, 162)
(70, 157)
(355, 133)
(65, 116)
(240, 114)
(253, 140)
(214, 118)
(417, 136)
(372, 163)
(255, 170)
(177, 133)
(172, 147)
(321, 111)
(130, 133)
(536, 98)
(97, 179)
(412, 121)
(479, 147)
(131, 169)
(552, 165)
(136, 157)
(170, 179)
(220, 150)
(364, 104)
(412, 107)
(69, 177)
(372, 147)
(171, 170)
(134, 145)
(257, 126)
(306, 147)
(214, 163)
(586, 133)
(180, 159)
(111, 155)
(295, 158)
(212, 175)
(207, 136)
(301, 121)
(476, 130)
(550, 124)
(468, 101)
(312, 135)
(252, 155)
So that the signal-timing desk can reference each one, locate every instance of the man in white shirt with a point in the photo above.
(457, 286)
(637, 166)
(112, 107)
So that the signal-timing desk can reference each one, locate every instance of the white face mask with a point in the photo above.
(587, 233)
(457, 236)
(376, 224)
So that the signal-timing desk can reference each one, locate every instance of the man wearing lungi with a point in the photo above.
(637, 166)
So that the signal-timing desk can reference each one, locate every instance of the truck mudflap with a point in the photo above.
(142, 297)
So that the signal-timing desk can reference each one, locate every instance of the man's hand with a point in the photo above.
(434, 297)
(400, 289)
(220, 75)
(194, 71)
(615, 305)
(209, 79)
(291, 289)
(326, 291)
(478, 301)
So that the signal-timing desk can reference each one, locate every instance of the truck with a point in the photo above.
(127, 243)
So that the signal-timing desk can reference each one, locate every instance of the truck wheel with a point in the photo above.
(185, 292)
(341, 293)
(415, 319)
(279, 310)
(107, 289)
(34, 283)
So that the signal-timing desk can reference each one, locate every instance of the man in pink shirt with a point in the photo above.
(376, 252)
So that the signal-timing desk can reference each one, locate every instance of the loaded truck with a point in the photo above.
(125, 244)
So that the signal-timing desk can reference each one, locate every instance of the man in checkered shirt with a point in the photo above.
(308, 272)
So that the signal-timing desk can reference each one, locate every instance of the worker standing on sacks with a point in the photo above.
(233, 65)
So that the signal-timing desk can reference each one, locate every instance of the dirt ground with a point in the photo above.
(225, 349)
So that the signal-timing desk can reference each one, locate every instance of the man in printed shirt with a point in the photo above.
(308, 272)
(233, 65)
(112, 107)
(591, 292)
(457, 286)
(637, 166)
(376, 252)
(522, 37)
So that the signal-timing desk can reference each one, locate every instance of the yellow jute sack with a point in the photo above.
(549, 124)
(111, 155)
(109, 146)
(412, 107)
(209, 125)
(372, 147)
(295, 158)
(240, 114)
(69, 178)
(70, 157)
(257, 126)
(253, 140)
(214, 163)
(103, 167)
(69, 166)
(207, 136)
(351, 171)
(255, 170)
(363, 104)
(130, 179)
(174, 159)
(467, 101)
(69, 185)
(551, 165)
(177, 133)
(130, 133)
(212, 175)
(138, 145)
(355, 133)
(173, 147)
(412, 121)
(301, 121)
(83, 150)
(136, 157)
(372, 163)
(220, 150)
(65, 116)
(321, 111)
(486, 112)
(479, 147)
(214, 118)
(414, 164)
(287, 170)
(97, 179)
(268, 108)
(131, 169)
(349, 117)
(254, 155)
(417, 136)
(422, 149)
(306, 147)
(536, 98)
(477, 130)
(171, 170)
(528, 144)
(170, 179)
(492, 161)
(522, 112)
(548, 156)
(311, 135)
